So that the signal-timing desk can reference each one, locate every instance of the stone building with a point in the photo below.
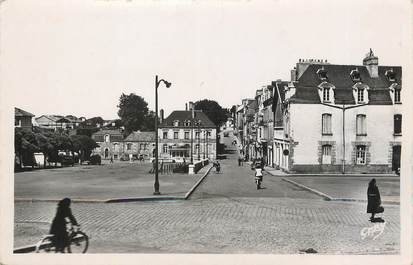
(110, 144)
(340, 118)
(139, 145)
(185, 134)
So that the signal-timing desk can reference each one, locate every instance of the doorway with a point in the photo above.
(396, 158)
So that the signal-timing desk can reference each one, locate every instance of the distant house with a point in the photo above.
(139, 144)
(54, 122)
(23, 119)
(110, 144)
(186, 134)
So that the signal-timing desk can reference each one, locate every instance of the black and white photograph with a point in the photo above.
(206, 132)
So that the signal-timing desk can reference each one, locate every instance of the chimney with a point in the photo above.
(294, 74)
(372, 64)
(161, 115)
(191, 105)
(186, 106)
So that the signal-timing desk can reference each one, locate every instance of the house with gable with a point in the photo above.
(23, 119)
(340, 118)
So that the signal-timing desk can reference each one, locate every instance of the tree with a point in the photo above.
(25, 145)
(149, 122)
(83, 145)
(133, 112)
(213, 110)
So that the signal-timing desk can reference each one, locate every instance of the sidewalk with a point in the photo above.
(105, 183)
(338, 187)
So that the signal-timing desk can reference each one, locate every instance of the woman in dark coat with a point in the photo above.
(58, 228)
(373, 199)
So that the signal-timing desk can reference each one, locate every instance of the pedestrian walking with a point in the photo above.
(111, 159)
(58, 227)
(374, 201)
(239, 160)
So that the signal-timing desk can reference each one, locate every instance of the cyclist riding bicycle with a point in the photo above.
(58, 227)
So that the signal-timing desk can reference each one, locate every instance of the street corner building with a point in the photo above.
(340, 118)
(328, 118)
(187, 134)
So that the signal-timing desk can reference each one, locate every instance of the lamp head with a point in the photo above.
(167, 84)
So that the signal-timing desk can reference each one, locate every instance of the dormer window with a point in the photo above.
(187, 123)
(397, 98)
(360, 95)
(176, 123)
(391, 76)
(322, 74)
(326, 94)
(355, 75)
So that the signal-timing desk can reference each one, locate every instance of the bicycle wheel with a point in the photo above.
(45, 245)
(78, 243)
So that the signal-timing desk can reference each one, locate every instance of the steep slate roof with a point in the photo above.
(339, 76)
(140, 137)
(277, 102)
(21, 113)
(51, 117)
(115, 135)
(184, 115)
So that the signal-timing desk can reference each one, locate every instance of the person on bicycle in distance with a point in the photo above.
(58, 227)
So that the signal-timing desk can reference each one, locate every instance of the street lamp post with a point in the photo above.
(192, 141)
(204, 142)
(199, 140)
(157, 83)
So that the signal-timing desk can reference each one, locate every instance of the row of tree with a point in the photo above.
(27, 142)
(135, 115)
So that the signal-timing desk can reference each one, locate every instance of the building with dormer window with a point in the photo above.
(186, 133)
(339, 118)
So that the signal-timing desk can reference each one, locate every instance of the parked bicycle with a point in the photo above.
(78, 242)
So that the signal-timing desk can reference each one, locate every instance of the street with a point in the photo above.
(226, 214)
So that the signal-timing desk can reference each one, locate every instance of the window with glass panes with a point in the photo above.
(360, 95)
(326, 94)
(397, 98)
(326, 123)
(361, 155)
(361, 124)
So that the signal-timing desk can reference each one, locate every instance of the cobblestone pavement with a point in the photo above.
(222, 225)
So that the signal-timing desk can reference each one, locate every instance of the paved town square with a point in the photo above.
(226, 214)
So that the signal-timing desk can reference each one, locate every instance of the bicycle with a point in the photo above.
(78, 242)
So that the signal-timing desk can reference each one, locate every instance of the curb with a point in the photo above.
(329, 198)
(57, 200)
(161, 198)
(325, 196)
(283, 174)
(189, 193)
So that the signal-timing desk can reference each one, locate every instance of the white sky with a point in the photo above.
(77, 57)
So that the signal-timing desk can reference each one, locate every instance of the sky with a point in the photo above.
(78, 57)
